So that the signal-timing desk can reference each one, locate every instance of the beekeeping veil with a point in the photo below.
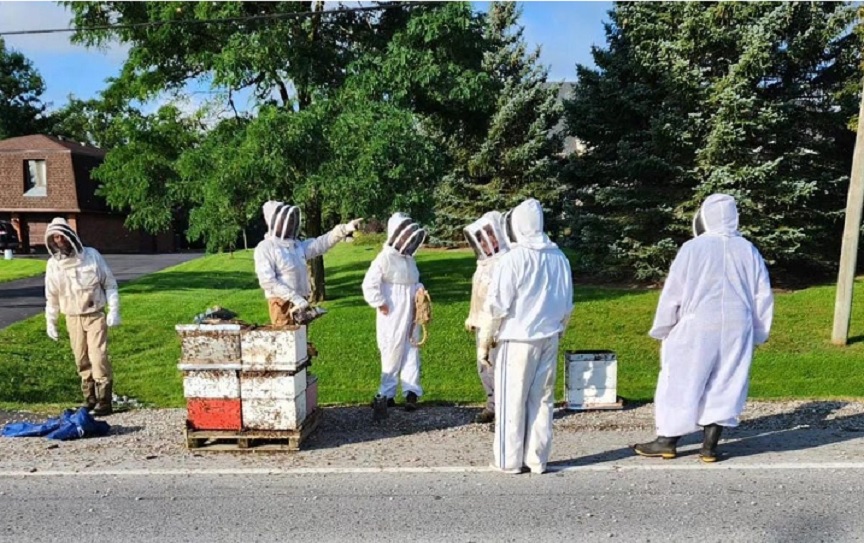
(486, 236)
(404, 235)
(717, 215)
(507, 225)
(283, 220)
(61, 227)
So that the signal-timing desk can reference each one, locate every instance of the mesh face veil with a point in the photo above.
(407, 238)
(285, 222)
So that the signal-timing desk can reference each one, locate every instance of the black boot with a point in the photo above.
(410, 401)
(708, 453)
(104, 399)
(663, 447)
(88, 388)
(485, 417)
(379, 408)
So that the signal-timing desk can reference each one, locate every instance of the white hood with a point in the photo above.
(60, 226)
(525, 225)
(403, 235)
(718, 216)
(283, 220)
(486, 236)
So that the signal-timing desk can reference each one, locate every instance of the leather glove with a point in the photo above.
(52, 331)
(113, 319)
(468, 327)
(483, 356)
(352, 226)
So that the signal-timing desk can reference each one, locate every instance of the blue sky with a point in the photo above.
(564, 30)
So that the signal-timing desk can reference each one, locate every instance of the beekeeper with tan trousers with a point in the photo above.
(79, 284)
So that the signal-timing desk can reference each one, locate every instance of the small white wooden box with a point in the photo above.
(265, 349)
(223, 384)
(272, 414)
(209, 343)
(276, 385)
(591, 380)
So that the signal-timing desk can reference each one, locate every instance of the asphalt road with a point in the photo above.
(26, 297)
(635, 505)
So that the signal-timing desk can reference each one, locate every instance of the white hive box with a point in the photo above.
(224, 384)
(209, 344)
(278, 349)
(591, 380)
(274, 414)
(276, 385)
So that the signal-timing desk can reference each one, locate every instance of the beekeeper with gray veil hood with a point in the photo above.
(390, 286)
(79, 284)
(487, 238)
(280, 259)
(528, 304)
(716, 306)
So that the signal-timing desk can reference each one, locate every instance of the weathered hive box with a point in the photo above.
(277, 385)
(276, 349)
(591, 380)
(213, 399)
(202, 344)
(311, 393)
(273, 413)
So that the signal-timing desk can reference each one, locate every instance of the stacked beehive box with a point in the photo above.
(211, 364)
(591, 380)
(259, 375)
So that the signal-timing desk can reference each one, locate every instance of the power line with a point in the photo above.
(270, 16)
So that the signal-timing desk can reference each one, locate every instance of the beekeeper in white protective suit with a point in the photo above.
(79, 284)
(280, 259)
(487, 238)
(715, 307)
(390, 286)
(529, 303)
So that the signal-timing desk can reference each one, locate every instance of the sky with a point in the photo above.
(565, 31)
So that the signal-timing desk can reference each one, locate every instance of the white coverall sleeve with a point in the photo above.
(267, 279)
(763, 304)
(109, 285)
(671, 299)
(318, 246)
(372, 284)
(52, 300)
(499, 298)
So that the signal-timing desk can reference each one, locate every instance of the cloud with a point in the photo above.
(16, 16)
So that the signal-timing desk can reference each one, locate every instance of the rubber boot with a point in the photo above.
(663, 447)
(88, 388)
(104, 399)
(379, 408)
(410, 401)
(708, 453)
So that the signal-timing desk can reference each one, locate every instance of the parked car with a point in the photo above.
(8, 236)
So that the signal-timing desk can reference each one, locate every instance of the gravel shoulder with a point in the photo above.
(445, 436)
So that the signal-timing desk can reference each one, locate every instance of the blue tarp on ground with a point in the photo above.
(70, 425)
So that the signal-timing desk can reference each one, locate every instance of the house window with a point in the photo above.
(34, 178)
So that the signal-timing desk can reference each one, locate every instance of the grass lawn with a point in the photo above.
(19, 268)
(798, 361)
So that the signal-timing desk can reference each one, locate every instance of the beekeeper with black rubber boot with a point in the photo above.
(529, 303)
(280, 260)
(716, 306)
(391, 286)
(79, 284)
(487, 238)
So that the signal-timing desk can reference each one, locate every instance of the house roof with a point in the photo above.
(41, 142)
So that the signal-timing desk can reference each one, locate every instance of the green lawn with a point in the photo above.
(19, 268)
(798, 361)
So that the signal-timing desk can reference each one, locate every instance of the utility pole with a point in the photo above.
(851, 233)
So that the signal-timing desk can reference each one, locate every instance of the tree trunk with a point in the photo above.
(316, 265)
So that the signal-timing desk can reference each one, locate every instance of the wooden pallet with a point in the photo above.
(252, 440)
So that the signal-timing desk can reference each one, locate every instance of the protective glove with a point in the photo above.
(483, 356)
(51, 316)
(352, 226)
(113, 318)
(468, 326)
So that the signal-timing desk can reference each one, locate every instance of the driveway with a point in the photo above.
(26, 297)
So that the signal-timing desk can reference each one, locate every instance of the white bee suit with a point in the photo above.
(393, 280)
(715, 307)
(487, 238)
(530, 297)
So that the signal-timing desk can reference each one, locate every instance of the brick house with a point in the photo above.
(42, 177)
